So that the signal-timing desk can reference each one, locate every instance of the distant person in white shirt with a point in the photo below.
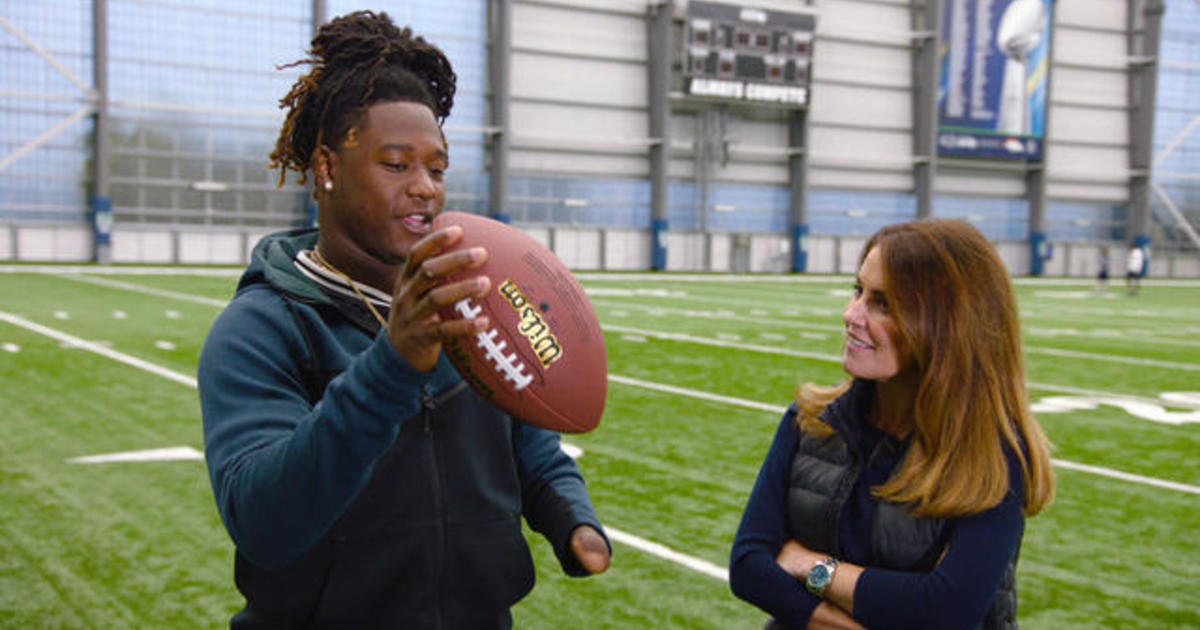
(1134, 265)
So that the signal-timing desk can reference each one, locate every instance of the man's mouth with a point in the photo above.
(418, 223)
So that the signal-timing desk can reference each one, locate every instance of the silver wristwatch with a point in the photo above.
(820, 576)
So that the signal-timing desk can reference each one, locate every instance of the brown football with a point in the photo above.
(543, 359)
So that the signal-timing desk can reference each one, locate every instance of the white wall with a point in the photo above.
(627, 250)
(130, 246)
(581, 249)
(73, 243)
(7, 242)
(47, 243)
(577, 248)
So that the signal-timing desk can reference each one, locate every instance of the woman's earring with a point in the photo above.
(328, 186)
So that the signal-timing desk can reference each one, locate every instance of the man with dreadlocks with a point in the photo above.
(362, 482)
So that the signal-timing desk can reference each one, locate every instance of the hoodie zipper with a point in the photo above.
(436, 482)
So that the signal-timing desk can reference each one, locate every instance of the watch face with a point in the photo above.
(818, 575)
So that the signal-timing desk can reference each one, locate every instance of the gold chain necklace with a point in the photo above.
(320, 260)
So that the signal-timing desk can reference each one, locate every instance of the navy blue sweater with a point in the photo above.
(955, 594)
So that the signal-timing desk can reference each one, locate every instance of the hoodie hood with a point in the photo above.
(273, 262)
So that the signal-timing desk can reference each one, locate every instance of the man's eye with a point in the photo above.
(395, 166)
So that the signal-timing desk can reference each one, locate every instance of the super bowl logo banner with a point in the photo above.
(995, 58)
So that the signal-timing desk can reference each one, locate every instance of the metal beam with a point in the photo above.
(927, 20)
(499, 70)
(320, 15)
(45, 55)
(102, 211)
(1035, 177)
(46, 136)
(1179, 218)
(1177, 140)
(659, 71)
(1145, 26)
(88, 96)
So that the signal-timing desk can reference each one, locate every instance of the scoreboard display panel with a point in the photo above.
(740, 53)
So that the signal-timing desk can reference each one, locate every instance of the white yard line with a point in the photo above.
(829, 358)
(122, 270)
(128, 286)
(750, 404)
(98, 349)
(843, 278)
(727, 315)
(668, 554)
(693, 393)
(170, 454)
(721, 343)
(1095, 393)
(1107, 358)
(1029, 349)
(648, 546)
(1124, 476)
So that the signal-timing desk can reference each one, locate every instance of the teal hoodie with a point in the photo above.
(360, 492)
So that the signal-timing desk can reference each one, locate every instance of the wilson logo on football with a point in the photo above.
(532, 326)
(509, 365)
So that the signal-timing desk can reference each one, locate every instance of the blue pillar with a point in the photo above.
(799, 253)
(502, 217)
(102, 221)
(658, 244)
(1038, 249)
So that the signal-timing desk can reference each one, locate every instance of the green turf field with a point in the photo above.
(700, 366)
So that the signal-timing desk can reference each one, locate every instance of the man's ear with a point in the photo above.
(324, 165)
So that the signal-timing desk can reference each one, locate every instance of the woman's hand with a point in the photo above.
(797, 559)
(830, 617)
(413, 326)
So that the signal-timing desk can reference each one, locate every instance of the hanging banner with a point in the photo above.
(995, 59)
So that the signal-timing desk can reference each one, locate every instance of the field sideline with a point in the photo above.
(701, 367)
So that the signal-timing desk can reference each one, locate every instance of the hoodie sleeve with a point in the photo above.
(553, 493)
(283, 470)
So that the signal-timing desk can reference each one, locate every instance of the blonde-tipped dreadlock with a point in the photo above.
(357, 60)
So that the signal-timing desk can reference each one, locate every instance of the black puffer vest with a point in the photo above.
(822, 478)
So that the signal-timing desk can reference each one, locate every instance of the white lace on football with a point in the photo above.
(509, 365)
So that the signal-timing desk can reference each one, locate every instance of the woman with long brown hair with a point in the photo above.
(898, 499)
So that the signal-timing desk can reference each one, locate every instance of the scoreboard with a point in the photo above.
(738, 53)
